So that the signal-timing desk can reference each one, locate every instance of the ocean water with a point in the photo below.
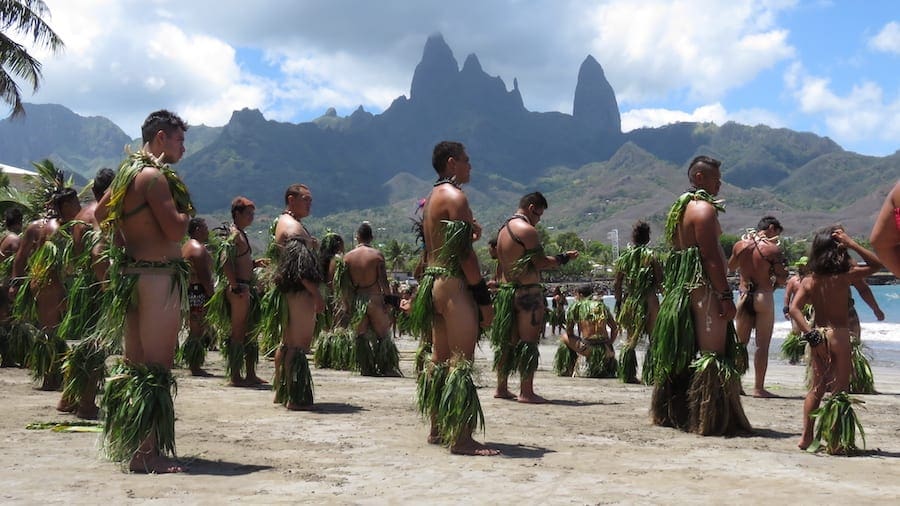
(881, 338)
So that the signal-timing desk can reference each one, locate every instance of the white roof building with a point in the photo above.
(17, 176)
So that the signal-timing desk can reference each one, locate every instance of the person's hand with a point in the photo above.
(727, 309)
(879, 315)
(841, 237)
(476, 230)
(572, 254)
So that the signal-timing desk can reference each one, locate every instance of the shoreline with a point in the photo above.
(365, 444)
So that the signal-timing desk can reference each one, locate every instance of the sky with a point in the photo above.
(808, 65)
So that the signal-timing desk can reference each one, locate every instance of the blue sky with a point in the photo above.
(828, 67)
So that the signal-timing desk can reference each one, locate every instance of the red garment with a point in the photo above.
(897, 217)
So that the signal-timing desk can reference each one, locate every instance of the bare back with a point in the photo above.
(759, 262)
(367, 270)
(509, 250)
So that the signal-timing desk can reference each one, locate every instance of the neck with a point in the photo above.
(521, 214)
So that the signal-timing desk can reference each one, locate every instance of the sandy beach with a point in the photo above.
(365, 444)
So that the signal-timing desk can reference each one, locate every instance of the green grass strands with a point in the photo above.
(322, 355)
(192, 353)
(459, 408)
(365, 355)
(836, 425)
(84, 364)
(273, 320)
(430, 387)
(564, 360)
(387, 357)
(793, 349)
(45, 359)
(218, 313)
(526, 357)
(423, 305)
(714, 398)
(423, 355)
(599, 364)
(504, 317)
(627, 371)
(673, 345)
(457, 242)
(862, 380)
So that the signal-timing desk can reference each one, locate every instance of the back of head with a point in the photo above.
(768, 221)
(364, 232)
(585, 290)
(101, 182)
(640, 233)
(164, 120)
(195, 224)
(534, 198)
(238, 204)
(62, 196)
(330, 246)
(443, 151)
(826, 255)
(700, 164)
(12, 217)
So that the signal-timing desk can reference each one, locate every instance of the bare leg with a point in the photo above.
(820, 367)
(298, 334)
(239, 304)
(709, 327)
(529, 327)
(765, 322)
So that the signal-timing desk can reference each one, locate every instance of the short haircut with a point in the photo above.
(640, 233)
(294, 189)
(12, 217)
(492, 242)
(585, 290)
(61, 196)
(195, 224)
(101, 182)
(768, 221)
(534, 198)
(164, 120)
(701, 163)
(364, 232)
(443, 151)
(239, 204)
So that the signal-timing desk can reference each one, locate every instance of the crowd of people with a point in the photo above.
(122, 275)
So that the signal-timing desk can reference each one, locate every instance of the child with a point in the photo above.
(831, 274)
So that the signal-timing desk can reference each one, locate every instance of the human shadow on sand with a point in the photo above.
(520, 451)
(338, 408)
(219, 467)
(569, 402)
(769, 434)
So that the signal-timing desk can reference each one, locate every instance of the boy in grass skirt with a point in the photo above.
(590, 332)
(84, 365)
(365, 295)
(638, 280)
(831, 272)
(234, 309)
(519, 303)
(332, 340)
(451, 294)
(39, 276)
(295, 300)
(200, 288)
(148, 207)
(695, 316)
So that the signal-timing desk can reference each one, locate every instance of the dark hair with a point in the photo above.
(698, 163)
(534, 198)
(61, 196)
(364, 232)
(238, 204)
(331, 244)
(164, 120)
(826, 255)
(294, 190)
(12, 217)
(101, 182)
(640, 233)
(585, 290)
(443, 151)
(195, 224)
(492, 242)
(768, 221)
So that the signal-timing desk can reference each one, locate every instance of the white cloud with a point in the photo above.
(888, 39)
(638, 118)
(864, 113)
(653, 49)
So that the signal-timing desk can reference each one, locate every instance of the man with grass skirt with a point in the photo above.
(638, 280)
(9, 244)
(519, 304)
(365, 295)
(696, 359)
(335, 342)
(193, 351)
(451, 294)
(761, 263)
(832, 272)
(234, 308)
(84, 366)
(294, 300)
(148, 208)
(590, 331)
(39, 273)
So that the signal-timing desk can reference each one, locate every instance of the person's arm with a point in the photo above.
(172, 223)
(885, 237)
(26, 248)
(101, 212)
(796, 309)
(613, 326)
(858, 272)
(204, 271)
(789, 289)
(734, 262)
(617, 289)
(779, 267)
(382, 276)
(865, 293)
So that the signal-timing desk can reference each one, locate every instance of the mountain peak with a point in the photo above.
(433, 73)
(472, 65)
(595, 101)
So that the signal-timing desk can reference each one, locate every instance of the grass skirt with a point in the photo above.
(793, 349)
(293, 384)
(45, 360)
(387, 357)
(501, 330)
(448, 393)
(669, 402)
(423, 354)
(598, 365)
(564, 360)
(836, 426)
(862, 381)
(627, 370)
(526, 357)
(238, 355)
(20, 338)
(137, 403)
(272, 321)
(192, 353)
(84, 369)
(714, 398)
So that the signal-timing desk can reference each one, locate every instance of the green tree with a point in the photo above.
(395, 254)
(22, 17)
(569, 241)
(728, 241)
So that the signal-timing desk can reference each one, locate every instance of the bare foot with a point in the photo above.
(253, 381)
(156, 464)
(473, 448)
(238, 382)
(505, 394)
(805, 441)
(299, 407)
(200, 373)
(531, 399)
(435, 439)
(64, 406)
(763, 394)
